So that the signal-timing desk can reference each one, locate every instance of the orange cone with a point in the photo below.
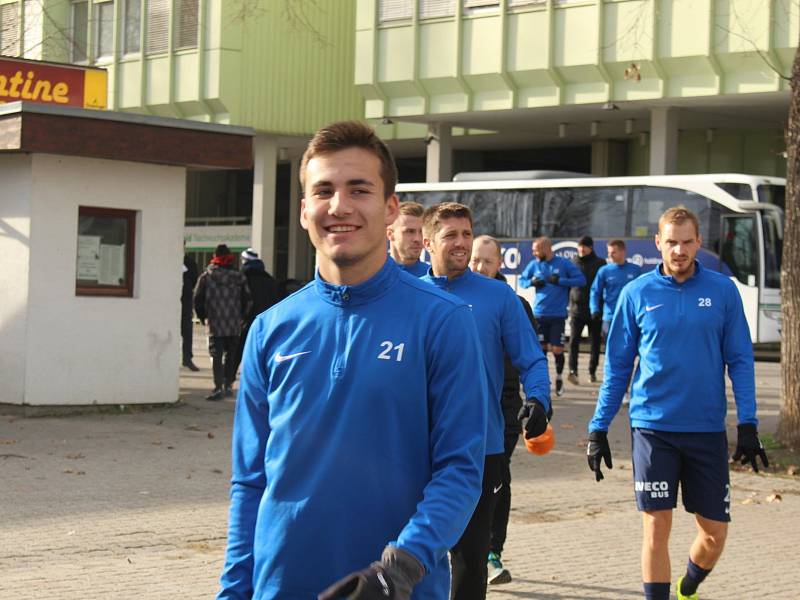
(543, 444)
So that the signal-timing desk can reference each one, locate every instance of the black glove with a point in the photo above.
(538, 283)
(533, 418)
(748, 447)
(597, 316)
(598, 448)
(553, 279)
(391, 579)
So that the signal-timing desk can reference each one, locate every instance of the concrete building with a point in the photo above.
(611, 87)
(627, 86)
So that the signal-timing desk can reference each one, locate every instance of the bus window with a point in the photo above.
(740, 191)
(573, 212)
(739, 247)
(773, 194)
(650, 202)
(773, 247)
(502, 213)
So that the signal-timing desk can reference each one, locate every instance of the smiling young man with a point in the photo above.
(687, 326)
(405, 238)
(504, 329)
(357, 444)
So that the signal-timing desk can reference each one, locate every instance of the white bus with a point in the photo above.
(741, 219)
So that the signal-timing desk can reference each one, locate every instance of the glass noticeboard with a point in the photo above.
(104, 262)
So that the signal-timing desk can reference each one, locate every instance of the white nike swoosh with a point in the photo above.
(280, 358)
(649, 308)
(497, 489)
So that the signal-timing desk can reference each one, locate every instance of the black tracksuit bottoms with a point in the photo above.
(468, 556)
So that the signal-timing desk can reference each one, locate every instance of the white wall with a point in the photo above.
(14, 253)
(87, 350)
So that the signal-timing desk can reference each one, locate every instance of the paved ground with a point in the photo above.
(133, 505)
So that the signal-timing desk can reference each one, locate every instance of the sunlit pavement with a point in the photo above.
(134, 505)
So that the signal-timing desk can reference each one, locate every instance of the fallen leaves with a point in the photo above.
(73, 472)
(7, 442)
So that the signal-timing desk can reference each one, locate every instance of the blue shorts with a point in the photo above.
(551, 330)
(699, 461)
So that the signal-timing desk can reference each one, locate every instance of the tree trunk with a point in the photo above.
(789, 424)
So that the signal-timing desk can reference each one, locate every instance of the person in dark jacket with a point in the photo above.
(264, 292)
(190, 273)
(486, 260)
(222, 298)
(579, 313)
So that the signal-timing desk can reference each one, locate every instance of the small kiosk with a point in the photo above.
(91, 232)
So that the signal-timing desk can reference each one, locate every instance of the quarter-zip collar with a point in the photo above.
(670, 280)
(354, 295)
(448, 284)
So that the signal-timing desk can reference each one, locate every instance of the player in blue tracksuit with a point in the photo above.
(357, 443)
(405, 239)
(503, 327)
(608, 283)
(552, 276)
(687, 326)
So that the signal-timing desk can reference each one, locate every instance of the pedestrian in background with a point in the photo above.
(190, 273)
(264, 292)
(486, 260)
(552, 276)
(687, 326)
(580, 315)
(608, 284)
(221, 301)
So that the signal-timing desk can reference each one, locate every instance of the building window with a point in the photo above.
(480, 3)
(104, 32)
(80, 31)
(429, 9)
(9, 29)
(394, 10)
(186, 24)
(133, 26)
(32, 33)
(157, 26)
(104, 263)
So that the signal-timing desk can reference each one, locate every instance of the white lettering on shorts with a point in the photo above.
(656, 489)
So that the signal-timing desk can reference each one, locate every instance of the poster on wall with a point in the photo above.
(112, 264)
(88, 257)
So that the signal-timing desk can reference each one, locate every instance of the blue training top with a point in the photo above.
(360, 422)
(503, 327)
(418, 269)
(685, 335)
(552, 299)
(610, 280)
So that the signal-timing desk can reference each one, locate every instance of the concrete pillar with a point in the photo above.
(609, 158)
(265, 165)
(440, 153)
(663, 141)
(300, 258)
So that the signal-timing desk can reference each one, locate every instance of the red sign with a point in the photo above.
(49, 83)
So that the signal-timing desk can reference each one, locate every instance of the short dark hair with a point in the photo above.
(351, 134)
(221, 250)
(617, 243)
(411, 208)
(437, 213)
